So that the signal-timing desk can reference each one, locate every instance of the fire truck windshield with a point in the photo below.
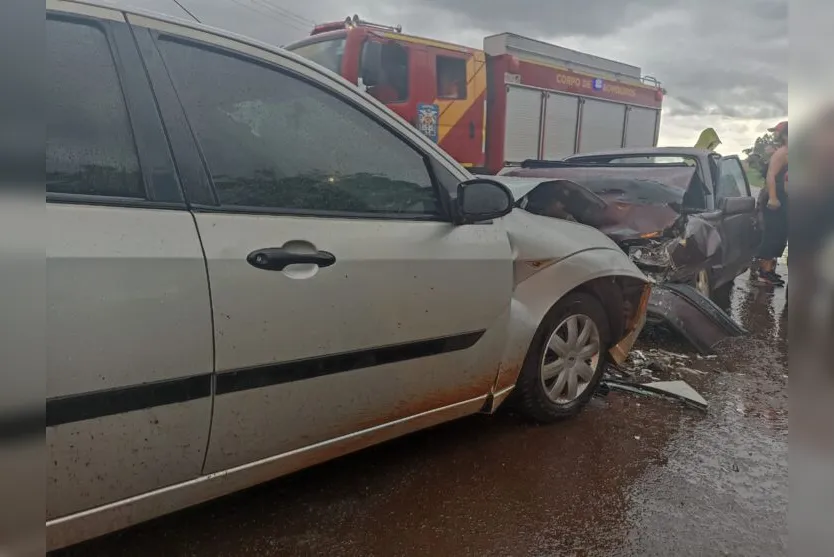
(325, 52)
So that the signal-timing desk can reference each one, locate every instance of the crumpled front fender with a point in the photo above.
(540, 291)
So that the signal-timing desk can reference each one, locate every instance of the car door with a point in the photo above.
(738, 229)
(129, 337)
(343, 297)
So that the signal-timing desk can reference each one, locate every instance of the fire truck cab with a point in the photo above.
(438, 87)
(516, 99)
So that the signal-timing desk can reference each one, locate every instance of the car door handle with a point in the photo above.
(278, 259)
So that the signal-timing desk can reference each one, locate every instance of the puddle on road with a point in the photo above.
(724, 487)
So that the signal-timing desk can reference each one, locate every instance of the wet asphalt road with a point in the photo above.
(630, 476)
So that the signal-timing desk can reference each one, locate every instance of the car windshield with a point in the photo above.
(327, 53)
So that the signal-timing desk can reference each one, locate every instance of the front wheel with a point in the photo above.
(566, 360)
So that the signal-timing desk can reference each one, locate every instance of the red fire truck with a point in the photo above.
(516, 99)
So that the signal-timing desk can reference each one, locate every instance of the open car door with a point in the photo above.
(739, 227)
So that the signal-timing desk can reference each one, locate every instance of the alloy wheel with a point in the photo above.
(571, 357)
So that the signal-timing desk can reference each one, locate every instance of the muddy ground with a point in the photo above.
(630, 476)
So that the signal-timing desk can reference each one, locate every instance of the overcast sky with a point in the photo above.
(724, 63)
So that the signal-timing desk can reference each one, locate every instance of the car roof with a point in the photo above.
(130, 8)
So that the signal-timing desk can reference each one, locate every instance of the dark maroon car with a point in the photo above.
(685, 215)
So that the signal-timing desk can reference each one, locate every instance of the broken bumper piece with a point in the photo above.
(696, 318)
(676, 390)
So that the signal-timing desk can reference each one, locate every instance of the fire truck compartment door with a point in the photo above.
(602, 126)
(523, 126)
(641, 127)
(560, 117)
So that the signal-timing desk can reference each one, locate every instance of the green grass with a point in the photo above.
(755, 178)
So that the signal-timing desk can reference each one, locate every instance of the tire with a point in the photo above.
(537, 394)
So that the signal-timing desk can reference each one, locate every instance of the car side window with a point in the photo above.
(274, 141)
(90, 148)
(731, 180)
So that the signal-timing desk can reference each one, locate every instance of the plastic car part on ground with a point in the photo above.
(696, 318)
(677, 390)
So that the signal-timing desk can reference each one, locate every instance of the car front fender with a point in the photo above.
(539, 292)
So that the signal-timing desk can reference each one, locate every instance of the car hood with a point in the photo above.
(549, 212)
(539, 242)
(543, 236)
(519, 187)
(538, 237)
(622, 208)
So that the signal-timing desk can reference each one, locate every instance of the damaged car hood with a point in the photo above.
(629, 203)
(630, 210)
(538, 242)
(544, 235)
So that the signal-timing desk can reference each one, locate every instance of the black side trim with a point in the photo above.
(98, 404)
(299, 370)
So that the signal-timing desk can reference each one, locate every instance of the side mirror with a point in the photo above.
(738, 205)
(370, 63)
(482, 199)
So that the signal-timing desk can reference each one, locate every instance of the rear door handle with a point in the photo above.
(278, 259)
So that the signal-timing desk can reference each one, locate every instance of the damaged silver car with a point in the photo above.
(254, 267)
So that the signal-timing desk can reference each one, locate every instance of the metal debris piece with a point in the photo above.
(696, 318)
(676, 390)
(680, 389)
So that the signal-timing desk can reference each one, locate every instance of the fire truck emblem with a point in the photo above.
(427, 120)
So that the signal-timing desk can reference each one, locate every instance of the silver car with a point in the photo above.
(254, 267)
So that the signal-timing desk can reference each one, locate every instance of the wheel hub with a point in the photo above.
(571, 358)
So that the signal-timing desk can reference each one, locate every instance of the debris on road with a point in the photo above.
(638, 375)
(645, 363)
(677, 390)
(694, 317)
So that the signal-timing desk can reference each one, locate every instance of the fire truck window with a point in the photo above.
(393, 85)
(296, 147)
(326, 53)
(451, 78)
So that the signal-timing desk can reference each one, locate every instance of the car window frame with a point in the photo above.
(440, 189)
(156, 165)
(745, 186)
(154, 23)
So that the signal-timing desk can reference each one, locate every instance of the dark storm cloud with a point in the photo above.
(545, 17)
(715, 57)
